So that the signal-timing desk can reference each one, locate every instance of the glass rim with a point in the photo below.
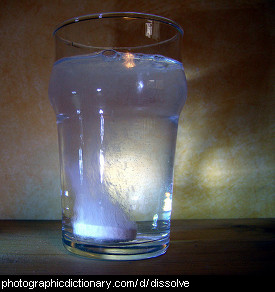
(135, 15)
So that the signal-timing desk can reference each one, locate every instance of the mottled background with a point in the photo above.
(225, 152)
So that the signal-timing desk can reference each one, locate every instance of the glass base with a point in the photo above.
(129, 251)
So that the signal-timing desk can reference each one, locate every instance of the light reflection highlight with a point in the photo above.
(80, 151)
(167, 202)
(155, 220)
(140, 86)
(129, 60)
(80, 164)
(101, 153)
(101, 165)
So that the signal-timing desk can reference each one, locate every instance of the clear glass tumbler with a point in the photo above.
(117, 88)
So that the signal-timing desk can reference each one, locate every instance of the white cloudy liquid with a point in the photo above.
(117, 117)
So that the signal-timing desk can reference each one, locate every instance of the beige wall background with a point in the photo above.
(225, 152)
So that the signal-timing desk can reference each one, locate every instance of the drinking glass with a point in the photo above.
(117, 88)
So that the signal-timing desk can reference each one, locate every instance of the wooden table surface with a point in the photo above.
(198, 247)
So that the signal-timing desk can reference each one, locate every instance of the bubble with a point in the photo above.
(159, 62)
(155, 220)
(174, 119)
(110, 54)
(60, 118)
(159, 58)
(138, 57)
